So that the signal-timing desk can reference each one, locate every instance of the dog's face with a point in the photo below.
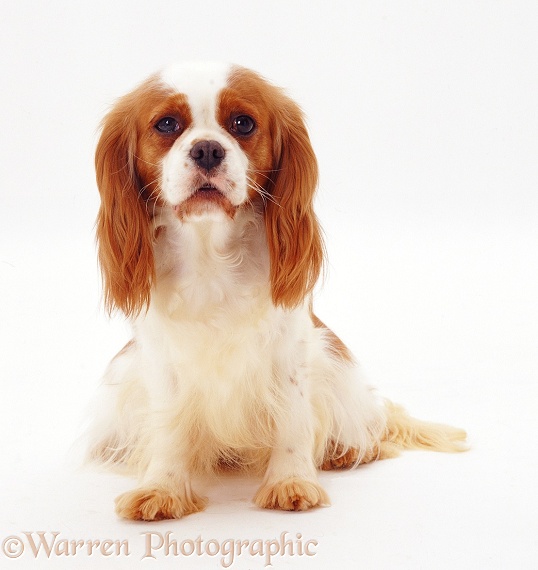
(205, 143)
(205, 140)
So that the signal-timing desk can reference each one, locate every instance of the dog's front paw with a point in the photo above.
(155, 504)
(293, 494)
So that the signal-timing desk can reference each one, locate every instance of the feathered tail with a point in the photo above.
(405, 432)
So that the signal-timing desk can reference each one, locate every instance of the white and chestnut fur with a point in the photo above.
(209, 244)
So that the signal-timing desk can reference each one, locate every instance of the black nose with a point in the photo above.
(207, 154)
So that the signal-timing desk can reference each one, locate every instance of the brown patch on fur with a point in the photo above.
(241, 97)
(128, 176)
(336, 457)
(285, 169)
(336, 346)
(155, 504)
(293, 494)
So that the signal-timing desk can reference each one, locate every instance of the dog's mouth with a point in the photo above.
(206, 199)
(208, 191)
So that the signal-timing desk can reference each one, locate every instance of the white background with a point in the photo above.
(424, 119)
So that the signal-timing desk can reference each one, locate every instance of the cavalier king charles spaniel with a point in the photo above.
(209, 244)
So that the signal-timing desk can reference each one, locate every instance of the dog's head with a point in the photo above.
(205, 140)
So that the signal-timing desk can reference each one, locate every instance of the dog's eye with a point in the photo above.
(167, 125)
(243, 125)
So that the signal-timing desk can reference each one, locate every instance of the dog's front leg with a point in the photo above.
(290, 482)
(165, 491)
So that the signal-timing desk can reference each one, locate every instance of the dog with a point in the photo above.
(209, 244)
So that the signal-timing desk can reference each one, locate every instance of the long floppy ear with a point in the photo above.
(123, 226)
(293, 232)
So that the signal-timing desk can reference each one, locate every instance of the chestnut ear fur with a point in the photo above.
(293, 231)
(123, 225)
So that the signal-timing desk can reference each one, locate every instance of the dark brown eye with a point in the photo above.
(167, 125)
(243, 125)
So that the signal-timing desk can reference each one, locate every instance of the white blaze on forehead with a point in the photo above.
(200, 82)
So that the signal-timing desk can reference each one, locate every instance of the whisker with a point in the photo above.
(261, 173)
(147, 186)
(159, 195)
(265, 195)
(154, 195)
(146, 161)
(268, 170)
